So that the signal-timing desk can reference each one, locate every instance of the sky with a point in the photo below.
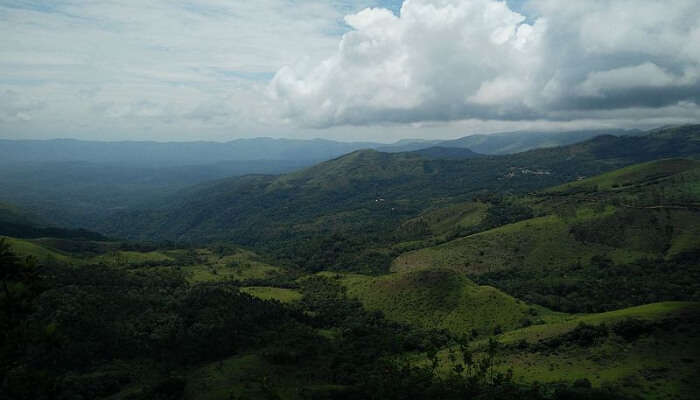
(380, 70)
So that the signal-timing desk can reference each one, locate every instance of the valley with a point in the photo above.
(434, 274)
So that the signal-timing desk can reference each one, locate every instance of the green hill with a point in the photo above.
(633, 232)
(645, 352)
(440, 299)
(26, 248)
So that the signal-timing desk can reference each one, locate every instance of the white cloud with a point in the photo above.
(111, 66)
(14, 107)
(176, 70)
(461, 59)
(639, 76)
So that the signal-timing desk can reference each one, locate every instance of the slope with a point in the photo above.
(440, 299)
(642, 218)
(646, 352)
(516, 142)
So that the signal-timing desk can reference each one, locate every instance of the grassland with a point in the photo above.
(242, 265)
(648, 312)
(633, 176)
(273, 293)
(440, 299)
(25, 248)
(661, 363)
(199, 265)
(623, 219)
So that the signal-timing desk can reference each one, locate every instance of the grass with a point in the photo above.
(250, 376)
(442, 299)
(649, 312)
(635, 175)
(651, 368)
(131, 257)
(25, 248)
(273, 293)
(602, 216)
(242, 265)
(661, 365)
(443, 220)
(543, 242)
(204, 266)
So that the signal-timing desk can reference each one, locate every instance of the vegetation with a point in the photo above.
(617, 240)
(347, 213)
(441, 299)
(427, 275)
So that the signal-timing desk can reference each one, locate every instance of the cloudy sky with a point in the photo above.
(340, 69)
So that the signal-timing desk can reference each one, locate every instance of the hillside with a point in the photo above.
(447, 153)
(643, 218)
(509, 142)
(18, 223)
(346, 212)
(516, 142)
(643, 351)
(440, 299)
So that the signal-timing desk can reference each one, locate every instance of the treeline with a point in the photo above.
(28, 231)
(603, 285)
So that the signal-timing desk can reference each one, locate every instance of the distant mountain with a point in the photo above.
(19, 224)
(516, 142)
(174, 153)
(407, 145)
(170, 154)
(342, 212)
(447, 153)
(76, 183)
(74, 193)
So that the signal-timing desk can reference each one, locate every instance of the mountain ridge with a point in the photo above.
(361, 198)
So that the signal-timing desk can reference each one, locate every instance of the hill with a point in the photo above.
(633, 231)
(346, 212)
(17, 223)
(517, 142)
(643, 352)
(509, 142)
(447, 153)
(440, 299)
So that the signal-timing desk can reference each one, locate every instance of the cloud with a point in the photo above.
(14, 107)
(111, 66)
(360, 69)
(444, 60)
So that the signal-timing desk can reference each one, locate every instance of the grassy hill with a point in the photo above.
(642, 218)
(441, 299)
(647, 351)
